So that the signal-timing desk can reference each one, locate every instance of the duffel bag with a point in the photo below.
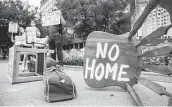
(58, 86)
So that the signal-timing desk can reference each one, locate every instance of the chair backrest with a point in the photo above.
(20, 40)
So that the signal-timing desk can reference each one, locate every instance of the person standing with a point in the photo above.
(32, 32)
(56, 39)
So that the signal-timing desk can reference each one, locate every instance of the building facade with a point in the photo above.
(157, 18)
(73, 40)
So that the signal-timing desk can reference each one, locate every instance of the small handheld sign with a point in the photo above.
(12, 27)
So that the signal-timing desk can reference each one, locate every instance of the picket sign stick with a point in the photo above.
(134, 95)
(154, 35)
(156, 88)
(160, 69)
(158, 52)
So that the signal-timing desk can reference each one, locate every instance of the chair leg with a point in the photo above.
(25, 60)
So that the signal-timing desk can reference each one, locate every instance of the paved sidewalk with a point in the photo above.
(32, 93)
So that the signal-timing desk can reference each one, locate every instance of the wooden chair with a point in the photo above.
(37, 48)
(39, 43)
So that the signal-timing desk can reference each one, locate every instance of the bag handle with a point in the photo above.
(49, 70)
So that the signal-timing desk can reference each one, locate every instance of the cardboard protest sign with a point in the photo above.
(31, 34)
(113, 60)
(12, 27)
(51, 18)
(20, 40)
(110, 60)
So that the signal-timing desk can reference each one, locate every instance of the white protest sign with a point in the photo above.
(20, 40)
(12, 27)
(31, 34)
(51, 18)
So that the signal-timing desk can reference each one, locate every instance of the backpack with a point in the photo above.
(58, 86)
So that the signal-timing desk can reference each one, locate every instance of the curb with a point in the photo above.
(73, 67)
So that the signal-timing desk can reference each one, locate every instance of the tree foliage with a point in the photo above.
(90, 15)
(17, 11)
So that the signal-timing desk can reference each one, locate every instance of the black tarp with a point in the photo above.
(4, 34)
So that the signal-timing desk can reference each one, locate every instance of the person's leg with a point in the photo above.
(52, 46)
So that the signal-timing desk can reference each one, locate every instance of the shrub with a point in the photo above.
(73, 57)
(159, 60)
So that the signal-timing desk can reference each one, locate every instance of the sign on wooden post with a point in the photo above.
(12, 27)
(110, 60)
(114, 60)
(51, 18)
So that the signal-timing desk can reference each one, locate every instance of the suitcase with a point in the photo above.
(58, 86)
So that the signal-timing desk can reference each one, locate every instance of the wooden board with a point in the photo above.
(158, 78)
(40, 63)
(11, 64)
(110, 60)
(28, 79)
(34, 50)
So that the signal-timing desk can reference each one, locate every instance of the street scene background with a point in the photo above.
(81, 17)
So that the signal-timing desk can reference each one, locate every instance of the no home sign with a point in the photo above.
(113, 60)
(109, 60)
